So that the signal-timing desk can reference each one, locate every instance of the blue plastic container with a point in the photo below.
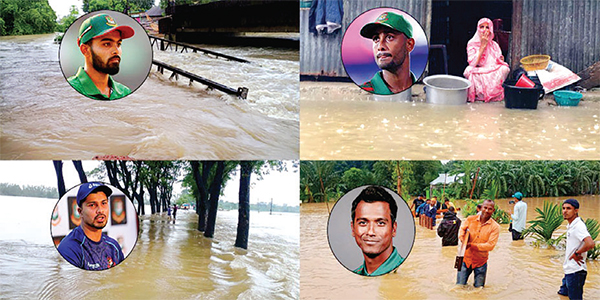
(567, 98)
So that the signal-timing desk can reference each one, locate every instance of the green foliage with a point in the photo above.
(499, 179)
(9, 189)
(593, 227)
(163, 3)
(357, 177)
(66, 21)
(544, 225)
(470, 208)
(499, 215)
(26, 17)
(594, 253)
(117, 5)
(320, 178)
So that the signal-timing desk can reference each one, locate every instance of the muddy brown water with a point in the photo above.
(516, 270)
(42, 117)
(340, 122)
(170, 261)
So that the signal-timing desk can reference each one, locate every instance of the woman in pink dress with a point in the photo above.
(487, 69)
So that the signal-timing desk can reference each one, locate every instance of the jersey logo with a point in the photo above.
(110, 262)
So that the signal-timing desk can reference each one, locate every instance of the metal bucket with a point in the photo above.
(446, 89)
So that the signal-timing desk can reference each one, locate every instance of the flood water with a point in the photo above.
(42, 117)
(339, 122)
(170, 261)
(516, 270)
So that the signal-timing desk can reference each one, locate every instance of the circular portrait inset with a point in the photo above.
(384, 51)
(371, 230)
(94, 226)
(105, 55)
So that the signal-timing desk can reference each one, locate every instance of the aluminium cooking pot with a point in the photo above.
(446, 89)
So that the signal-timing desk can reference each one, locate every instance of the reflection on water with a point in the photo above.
(170, 260)
(516, 270)
(42, 117)
(337, 122)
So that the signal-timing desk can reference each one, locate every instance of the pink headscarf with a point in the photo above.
(476, 39)
(492, 54)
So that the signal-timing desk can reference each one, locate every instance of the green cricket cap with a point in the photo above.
(101, 24)
(388, 19)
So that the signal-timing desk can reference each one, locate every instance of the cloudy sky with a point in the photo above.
(283, 187)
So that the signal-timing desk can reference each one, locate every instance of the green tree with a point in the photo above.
(26, 17)
(320, 177)
(117, 5)
(66, 21)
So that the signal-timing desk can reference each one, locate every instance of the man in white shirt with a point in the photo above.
(519, 217)
(579, 242)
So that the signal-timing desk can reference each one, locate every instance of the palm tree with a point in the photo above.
(544, 225)
(320, 176)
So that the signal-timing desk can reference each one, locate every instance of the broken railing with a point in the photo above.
(241, 92)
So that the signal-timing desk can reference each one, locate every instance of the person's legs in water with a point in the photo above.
(463, 275)
(575, 282)
(563, 288)
(480, 275)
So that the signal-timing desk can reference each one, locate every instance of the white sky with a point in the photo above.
(61, 7)
(282, 187)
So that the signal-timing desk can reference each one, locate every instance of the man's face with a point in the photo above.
(487, 209)
(372, 227)
(105, 52)
(94, 210)
(569, 212)
(391, 48)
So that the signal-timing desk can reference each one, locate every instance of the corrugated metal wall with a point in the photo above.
(321, 54)
(568, 31)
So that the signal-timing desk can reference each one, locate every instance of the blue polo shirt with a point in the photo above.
(84, 253)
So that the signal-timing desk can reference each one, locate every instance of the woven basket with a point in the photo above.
(535, 62)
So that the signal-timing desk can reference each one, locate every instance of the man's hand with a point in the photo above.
(577, 257)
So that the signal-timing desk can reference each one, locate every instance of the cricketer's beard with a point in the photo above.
(105, 67)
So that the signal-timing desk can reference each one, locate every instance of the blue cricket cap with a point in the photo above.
(518, 195)
(573, 202)
(91, 187)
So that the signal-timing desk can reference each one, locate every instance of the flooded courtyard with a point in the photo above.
(516, 270)
(340, 122)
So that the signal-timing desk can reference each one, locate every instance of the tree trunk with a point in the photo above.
(153, 198)
(58, 164)
(140, 200)
(213, 201)
(244, 205)
(79, 168)
(111, 172)
(203, 194)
